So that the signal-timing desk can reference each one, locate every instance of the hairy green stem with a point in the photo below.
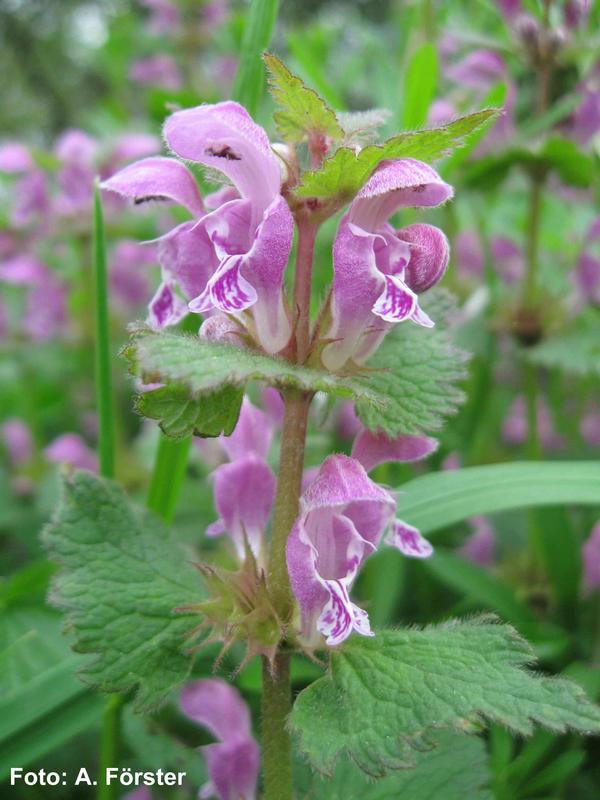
(291, 464)
(307, 234)
(276, 742)
(277, 690)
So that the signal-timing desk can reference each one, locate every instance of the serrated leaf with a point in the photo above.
(181, 414)
(302, 111)
(204, 366)
(416, 371)
(457, 768)
(385, 697)
(121, 579)
(343, 174)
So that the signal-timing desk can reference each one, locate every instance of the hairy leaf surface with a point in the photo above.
(385, 697)
(302, 111)
(121, 579)
(346, 171)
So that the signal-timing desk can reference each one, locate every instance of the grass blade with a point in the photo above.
(250, 78)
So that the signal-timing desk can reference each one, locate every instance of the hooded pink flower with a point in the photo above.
(244, 488)
(233, 761)
(379, 271)
(232, 258)
(343, 518)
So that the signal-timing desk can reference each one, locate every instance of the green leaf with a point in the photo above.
(42, 704)
(204, 366)
(385, 697)
(407, 387)
(480, 585)
(302, 110)
(121, 579)
(576, 352)
(180, 413)
(343, 174)
(249, 79)
(496, 98)
(419, 86)
(556, 155)
(564, 157)
(456, 768)
(435, 501)
(51, 732)
(415, 372)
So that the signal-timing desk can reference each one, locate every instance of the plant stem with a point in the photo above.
(276, 742)
(277, 689)
(110, 739)
(106, 427)
(111, 720)
(168, 475)
(291, 464)
(533, 240)
(307, 234)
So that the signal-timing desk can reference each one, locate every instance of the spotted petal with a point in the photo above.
(341, 616)
(408, 540)
(166, 307)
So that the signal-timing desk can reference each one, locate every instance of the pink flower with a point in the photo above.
(343, 518)
(514, 430)
(480, 546)
(478, 70)
(244, 488)
(15, 158)
(233, 761)
(575, 13)
(468, 254)
(441, 112)
(129, 282)
(231, 259)
(591, 561)
(590, 427)
(165, 17)
(159, 70)
(17, 440)
(77, 152)
(69, 448)
(379, 271)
